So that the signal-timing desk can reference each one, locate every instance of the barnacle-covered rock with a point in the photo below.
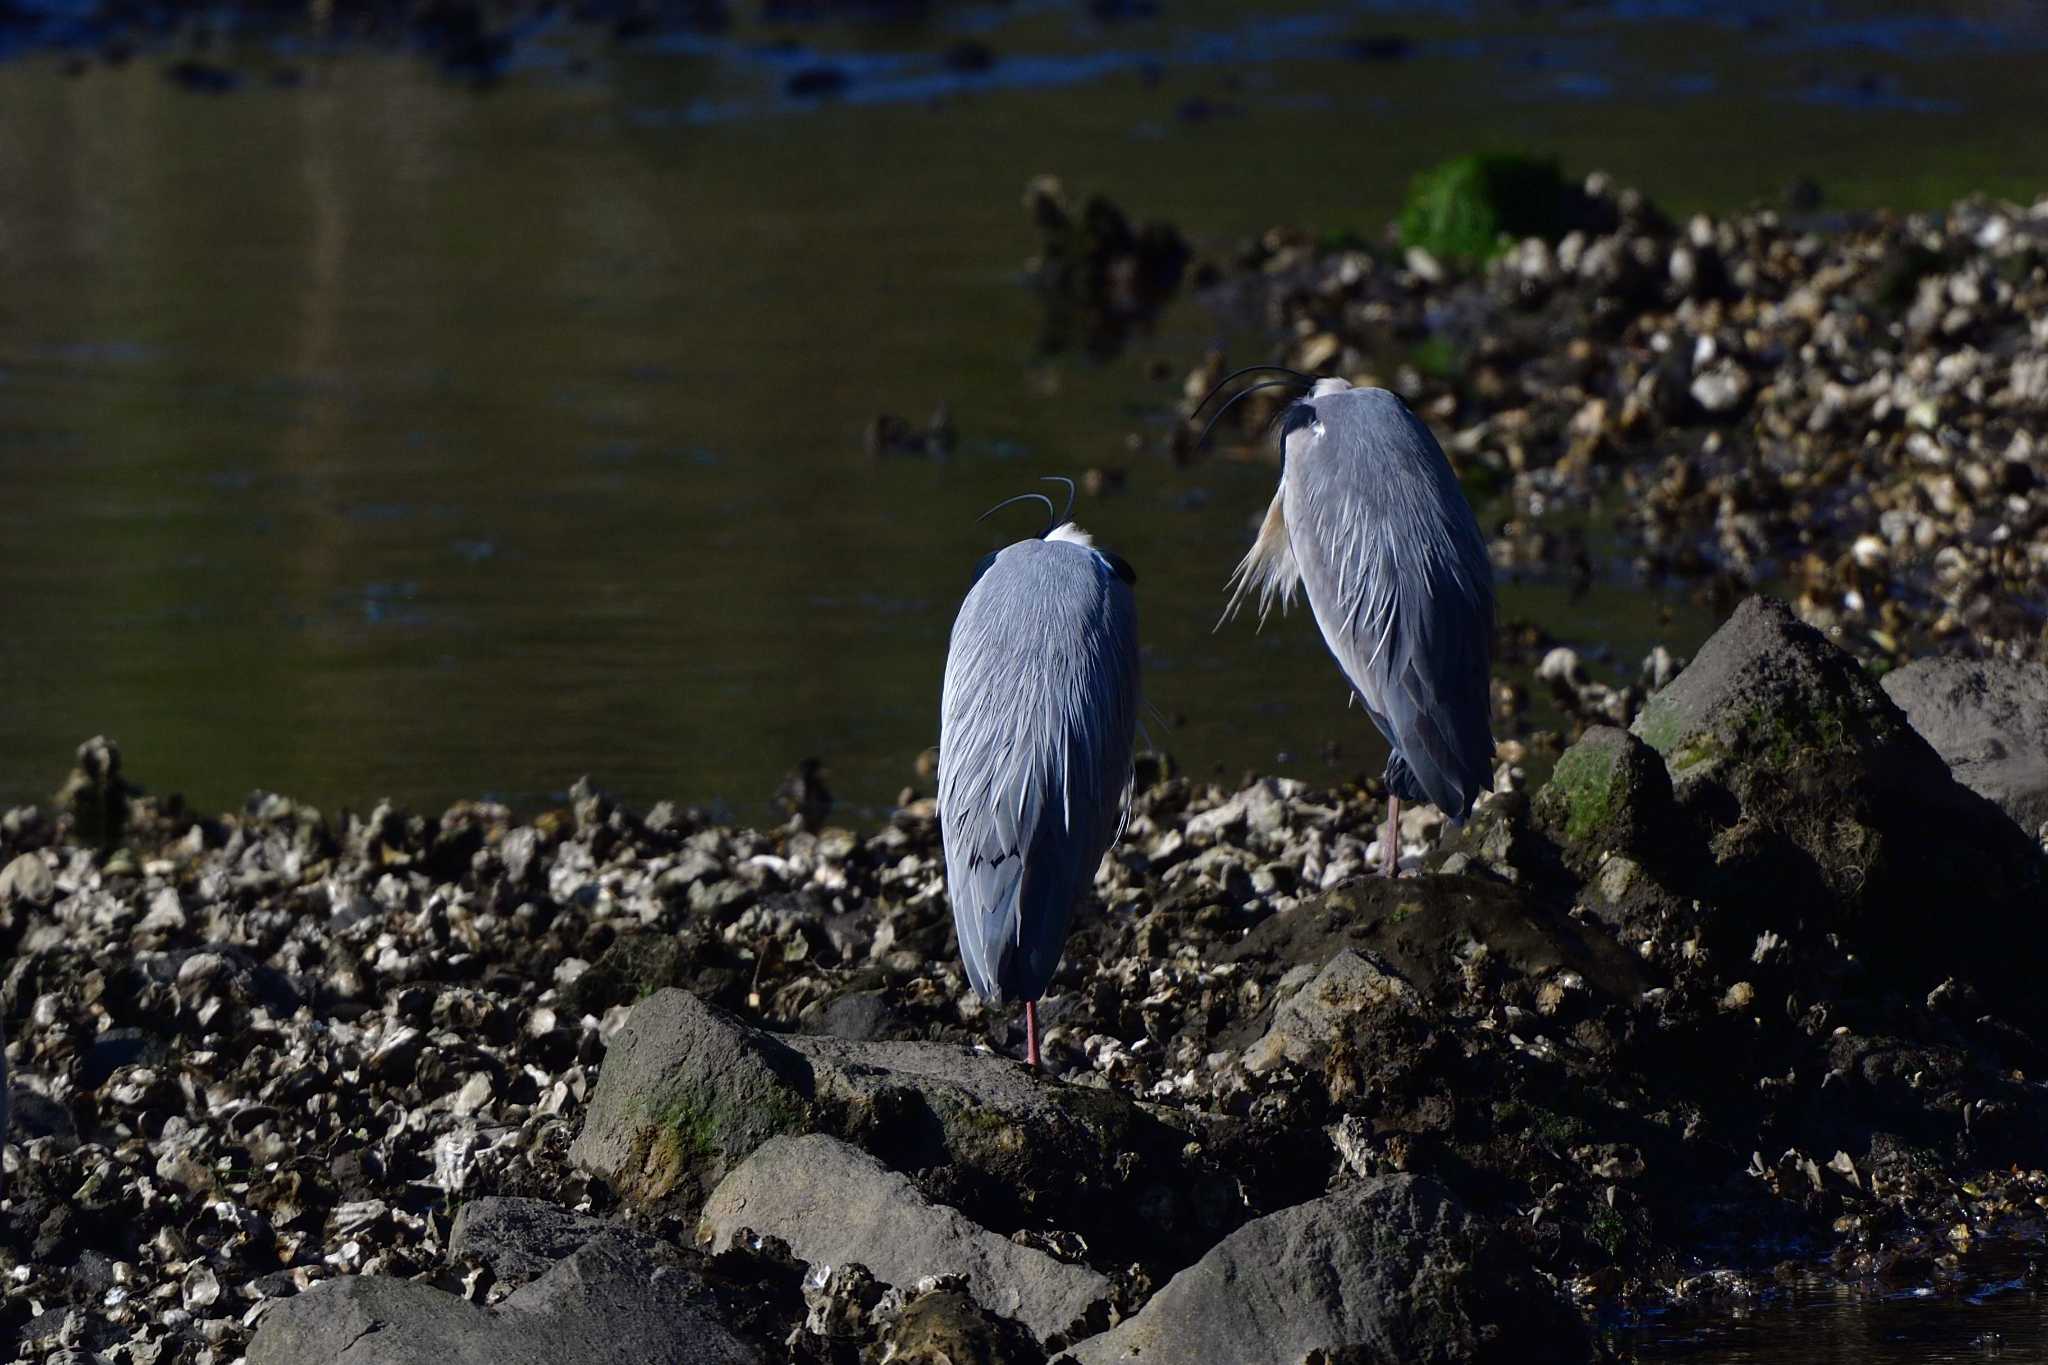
(833, 1203)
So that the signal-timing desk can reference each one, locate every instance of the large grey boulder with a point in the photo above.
(1768, 696)
(1388, 1270)
(688, 1092)
(608, 1303)
(833, 1203)
(1988, 719)
(1821, 809)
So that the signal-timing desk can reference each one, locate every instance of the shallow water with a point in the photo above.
(1999, 1314)
(378, 435)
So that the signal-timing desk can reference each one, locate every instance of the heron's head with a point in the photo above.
(1301, 415)
(1354, 419)
(1059, 528)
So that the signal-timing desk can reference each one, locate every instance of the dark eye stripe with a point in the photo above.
(1299, 416)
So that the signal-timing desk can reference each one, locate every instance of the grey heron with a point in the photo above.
(1370, 520)
(1036, 723)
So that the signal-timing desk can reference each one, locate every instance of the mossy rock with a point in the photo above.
(1466, 209)
(1610, 792)
(689, 1091)
(1819, 805)
(1768, 695)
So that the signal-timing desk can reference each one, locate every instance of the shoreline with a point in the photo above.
(273, 1052)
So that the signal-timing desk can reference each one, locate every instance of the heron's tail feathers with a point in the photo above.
(1268, 569)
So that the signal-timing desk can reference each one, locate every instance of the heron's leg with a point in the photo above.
(1390, 847)
(1031, 1033)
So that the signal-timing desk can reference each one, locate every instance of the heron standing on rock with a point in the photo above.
(1035, 730)
(1370, 519)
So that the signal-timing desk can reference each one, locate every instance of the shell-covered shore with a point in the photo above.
(1690, 997)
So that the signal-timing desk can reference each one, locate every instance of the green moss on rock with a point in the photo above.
(1465, 209)
(1608, 793)
(1661, 724)
(1581, 790)
(707, 1131)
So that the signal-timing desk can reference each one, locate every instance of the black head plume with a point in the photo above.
(1059, 518)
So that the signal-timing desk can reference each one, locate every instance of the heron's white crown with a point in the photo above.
(1325, 387)
(1067, 531)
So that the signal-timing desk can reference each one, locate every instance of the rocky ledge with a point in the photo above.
(1753, 979)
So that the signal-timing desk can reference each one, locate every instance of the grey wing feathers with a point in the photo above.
(1036, 724)
(1398, 576)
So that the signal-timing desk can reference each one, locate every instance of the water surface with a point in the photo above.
(373, 434)
(1996, 1313)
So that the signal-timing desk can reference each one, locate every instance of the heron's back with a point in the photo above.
(1036, 724)
(1398, 577)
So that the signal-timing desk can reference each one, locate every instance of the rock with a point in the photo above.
(688, 1092)
(95, 796)
(949, 1328)
(1988, 719)
(607, 1302)
(1390, 1269)
(859, 1016)
(1766, 691)
(1803, 776)
(1417, 929)
(1309, 1021)
(633, 967)
(27, 879)
(1721, 388)
(1260, 808)
(1610, 792)
(833, 1204)
(519, 1239)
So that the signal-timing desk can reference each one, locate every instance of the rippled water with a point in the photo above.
(363, 433)
(1998, 1316)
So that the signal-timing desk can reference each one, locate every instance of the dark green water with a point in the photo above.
(379, 436)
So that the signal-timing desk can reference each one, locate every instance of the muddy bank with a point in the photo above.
(1749, 982)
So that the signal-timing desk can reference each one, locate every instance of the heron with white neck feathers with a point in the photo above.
(1037, 719)
(1369, 519)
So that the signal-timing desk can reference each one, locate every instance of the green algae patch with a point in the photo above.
(1581, 791)
(1661, 724)
(1467, 209)
(706, 1129)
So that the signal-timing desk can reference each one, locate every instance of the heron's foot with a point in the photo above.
(1390, 868)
